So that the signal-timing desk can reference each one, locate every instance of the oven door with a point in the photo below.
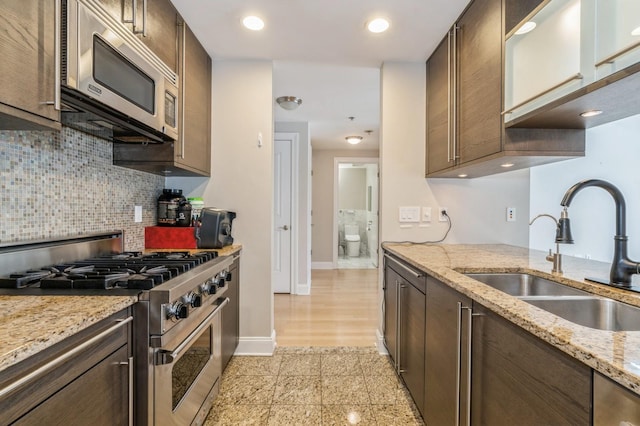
(186, 373)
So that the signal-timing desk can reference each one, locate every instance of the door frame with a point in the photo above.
(336, 167)
(293, 138)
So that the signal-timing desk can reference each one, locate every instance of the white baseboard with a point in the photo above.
(260, 346)
(303, 289)
(321, 265)
(382, 350)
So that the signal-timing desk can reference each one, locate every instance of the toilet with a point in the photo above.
(352, 237)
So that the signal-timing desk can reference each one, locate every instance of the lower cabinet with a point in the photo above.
(80, 381)
(231, 315)
(404, 333)
(520, 379)
(446, 355)
(614, 404)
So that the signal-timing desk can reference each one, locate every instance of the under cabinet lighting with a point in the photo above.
(591, 113)
(526, 27)
(636, 32)
(463, 175)
(506, 165)
(253, 23)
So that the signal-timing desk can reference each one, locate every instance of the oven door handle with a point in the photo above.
(167, 357)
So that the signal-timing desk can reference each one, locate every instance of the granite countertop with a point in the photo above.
(615, 354)
(225, 251)
(30, 324)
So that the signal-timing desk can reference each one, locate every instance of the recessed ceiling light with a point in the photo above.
(354, 140)
(636, 32)
(591, 113)
(378, 25)
(253, 23)
(526, 27)
(506, 165)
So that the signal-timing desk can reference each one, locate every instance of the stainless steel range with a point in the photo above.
(177, 320)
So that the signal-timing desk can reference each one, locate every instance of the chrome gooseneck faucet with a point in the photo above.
(556, 257)
(622, 267)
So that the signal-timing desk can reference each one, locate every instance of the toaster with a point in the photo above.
(214, 228)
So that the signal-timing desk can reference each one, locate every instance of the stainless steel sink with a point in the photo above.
(526, 285)
(593, 312)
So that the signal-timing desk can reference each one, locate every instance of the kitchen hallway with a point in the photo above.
(342, 310)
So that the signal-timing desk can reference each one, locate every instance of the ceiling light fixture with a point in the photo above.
(253, 23)
(526, 27)
(591, 113)
(378, 25)
(636, 32)
(289, 102)
(354, 140)
(506, 165)
(463, 175)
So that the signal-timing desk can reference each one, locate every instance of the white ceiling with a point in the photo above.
(323, 53)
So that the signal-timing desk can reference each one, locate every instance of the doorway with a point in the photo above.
(356, 213)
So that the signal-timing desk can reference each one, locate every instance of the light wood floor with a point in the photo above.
(342, 310)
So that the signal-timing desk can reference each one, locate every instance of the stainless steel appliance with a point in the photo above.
(113, 85)
(177, 319)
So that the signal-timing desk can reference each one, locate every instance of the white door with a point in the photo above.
(282, 216)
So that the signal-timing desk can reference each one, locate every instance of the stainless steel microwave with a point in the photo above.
(112, 85)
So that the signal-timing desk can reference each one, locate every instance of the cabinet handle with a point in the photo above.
(183, 80)
(458, 362)
(577, 76)
(612, 58)
(398, 328)
(449, 97)
(56, 56)
(454, 150)
(62, 358)
(134, 15)
(411, 271)
(129, 364)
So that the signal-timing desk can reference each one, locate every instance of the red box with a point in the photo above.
(167, 237)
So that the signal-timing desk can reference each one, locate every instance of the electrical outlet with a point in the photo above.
(511, 214)
(426, 214)
(442, 217)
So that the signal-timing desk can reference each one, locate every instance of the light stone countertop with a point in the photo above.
(225, 251)
(30, 324)
(615, 354)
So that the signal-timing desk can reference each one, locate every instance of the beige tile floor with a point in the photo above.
(313, 386)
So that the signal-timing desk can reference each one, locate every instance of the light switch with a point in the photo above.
(409, 214)
(426, 214)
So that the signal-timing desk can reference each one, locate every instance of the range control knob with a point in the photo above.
(212, 286)
(204, 288)
(222, 277)
(217, 281)
(195, 300)
(178, 310)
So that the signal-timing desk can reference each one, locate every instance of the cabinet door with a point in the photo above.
(159, 25)
(439, 119)
(98, 397)
(412, 323)
(519, 379)
(27, 68)
(193, 150)
(479, 82)
(617, 35)
(391, 285)
(446, 330)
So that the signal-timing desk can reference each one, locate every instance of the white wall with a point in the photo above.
(241, 180)
(477, 207)
(304, 200)
(612, 152)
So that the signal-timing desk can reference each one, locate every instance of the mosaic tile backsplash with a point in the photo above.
(60, 184)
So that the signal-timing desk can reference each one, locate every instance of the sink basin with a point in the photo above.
(526, 285)
(593, 312)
